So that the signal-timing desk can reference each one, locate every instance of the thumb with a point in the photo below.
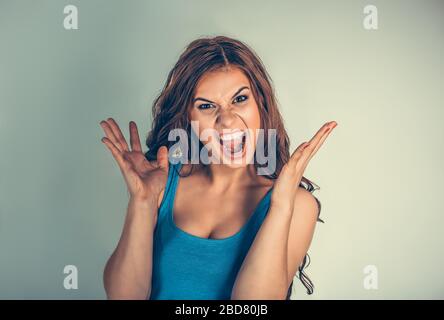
(162, 158)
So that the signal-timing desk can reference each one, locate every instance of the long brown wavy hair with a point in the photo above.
(170, 107)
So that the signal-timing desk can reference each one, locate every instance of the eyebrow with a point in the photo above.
(206, 100)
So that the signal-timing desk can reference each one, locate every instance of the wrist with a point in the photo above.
(282, 206)
(143, 207)
(143, 200)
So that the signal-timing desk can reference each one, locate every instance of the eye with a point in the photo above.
(240, 99)
(204, 106)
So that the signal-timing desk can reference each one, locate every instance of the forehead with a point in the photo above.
(221, 82)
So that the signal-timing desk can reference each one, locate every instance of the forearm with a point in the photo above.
(128, 271)
(263, 274)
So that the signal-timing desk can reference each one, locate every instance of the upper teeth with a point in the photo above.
(232, 136)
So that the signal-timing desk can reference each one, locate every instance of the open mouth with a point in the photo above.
(233, 143)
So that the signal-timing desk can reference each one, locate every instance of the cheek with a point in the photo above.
(203, 129)
(195, 117)
(252, 117)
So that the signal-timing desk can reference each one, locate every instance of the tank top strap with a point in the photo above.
(170, 189)
(262, 211)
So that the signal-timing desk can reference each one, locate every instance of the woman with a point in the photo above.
(217, 229)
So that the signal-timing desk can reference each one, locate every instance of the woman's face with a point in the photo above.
(227, 116)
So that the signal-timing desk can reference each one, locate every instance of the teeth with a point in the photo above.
(233, 142)
(232, 136)
(238, 148)
(235, 149)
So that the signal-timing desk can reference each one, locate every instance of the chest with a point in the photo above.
(206, 214)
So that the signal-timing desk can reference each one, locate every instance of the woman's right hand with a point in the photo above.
(145, 179)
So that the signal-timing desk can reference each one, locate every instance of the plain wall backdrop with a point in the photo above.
(63, 199)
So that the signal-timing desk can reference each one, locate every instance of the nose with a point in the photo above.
(226, 118)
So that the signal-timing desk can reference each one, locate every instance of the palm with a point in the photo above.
(143, 178)
(147, 175)
(291, 174)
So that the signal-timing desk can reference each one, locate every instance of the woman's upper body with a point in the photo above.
(198, 250)
(220, 92)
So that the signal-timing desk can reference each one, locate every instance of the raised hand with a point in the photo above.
(145, 179)
(287, 183)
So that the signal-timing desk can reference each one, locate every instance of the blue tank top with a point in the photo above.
(188, 267)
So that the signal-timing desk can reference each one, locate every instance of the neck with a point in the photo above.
(224, 177)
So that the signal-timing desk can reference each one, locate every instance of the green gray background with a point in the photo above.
(62, 197)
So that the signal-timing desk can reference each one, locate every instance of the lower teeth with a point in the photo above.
(235, 150)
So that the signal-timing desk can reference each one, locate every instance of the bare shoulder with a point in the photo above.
(306, 206)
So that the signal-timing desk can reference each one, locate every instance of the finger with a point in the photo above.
(110, 134)
(321, 133)
(321, 142)
(162, 158)
(118, 133)
(297, 154)
(134, 137)
(306, 150)
(117, 154)
(312, 149)
(323, 130)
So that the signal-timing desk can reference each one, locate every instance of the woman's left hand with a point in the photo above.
(287, 183)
